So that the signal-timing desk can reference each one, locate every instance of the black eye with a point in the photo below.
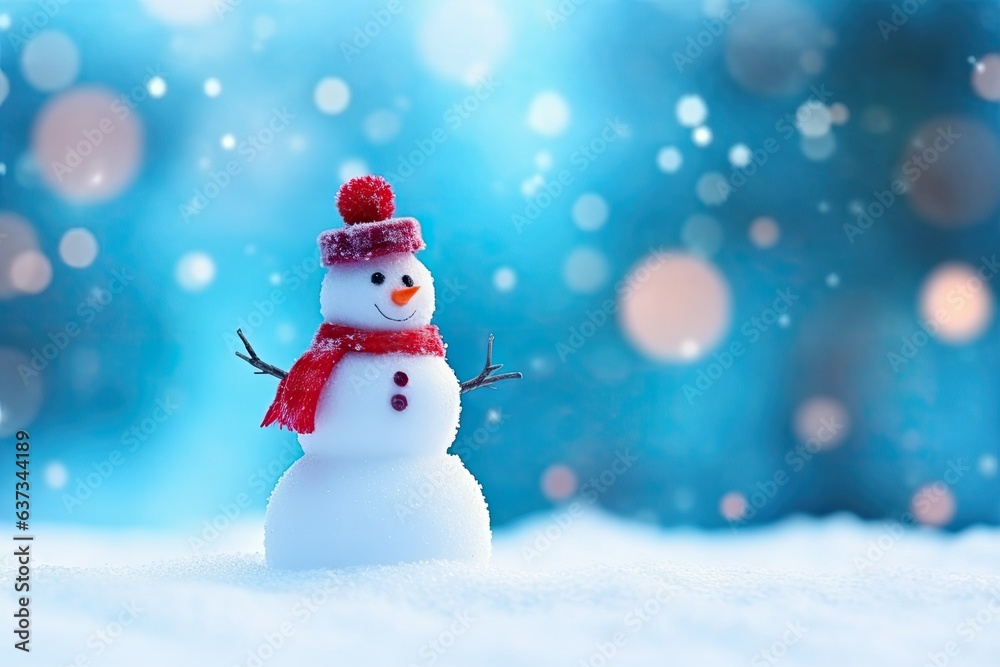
(408, 281)
(377, 278)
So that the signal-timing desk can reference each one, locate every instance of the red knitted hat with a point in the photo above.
(367, 204)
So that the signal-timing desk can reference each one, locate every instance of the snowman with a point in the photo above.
(376, 407)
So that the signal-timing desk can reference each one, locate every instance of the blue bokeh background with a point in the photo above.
(167, 338)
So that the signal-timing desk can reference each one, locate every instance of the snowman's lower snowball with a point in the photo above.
(339, 513)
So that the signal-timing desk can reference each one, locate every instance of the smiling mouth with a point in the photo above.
(393, 318)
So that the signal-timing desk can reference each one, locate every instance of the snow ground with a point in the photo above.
(563, 589)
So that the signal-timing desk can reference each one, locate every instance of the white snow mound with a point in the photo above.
(567, 588)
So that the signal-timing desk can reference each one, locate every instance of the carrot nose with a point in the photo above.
(401, 297)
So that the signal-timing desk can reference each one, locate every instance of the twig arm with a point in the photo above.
(485, 379)
(263, 368)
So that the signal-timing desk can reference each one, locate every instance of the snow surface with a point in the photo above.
(562, 588)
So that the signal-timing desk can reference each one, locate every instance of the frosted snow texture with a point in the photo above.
(335, 513)
(714, 599)
(355, 418)
(349, 297)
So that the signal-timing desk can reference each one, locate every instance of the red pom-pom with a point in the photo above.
(366, 199)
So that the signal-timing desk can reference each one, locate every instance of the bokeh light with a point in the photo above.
(157, 87)
(88, 145)
(951, 165)
(548, 114)
(332, 95)
(691, 111)
(590, 212)
(766, 43)
(813, 119)
(183, 12)
(933, 505)
(4, 87)
(986, 77)
(821, 422)
(712, 189)
(78, 248)
(956, 305)
(987, 465)
(56, 475)
(676, 307)
(195, 271)
(702, 235)
(740, 155)
(559, 482)
(585, 270)
(212, 87)
(764, 232)
(504, 279)
(819, 148)
(21, 390)
(839, 113)
(381, 126)
(463, 40)
(50, 61)
(733, 506)
(352, 169)
(31, 272)
(669, 159)
(16, 237)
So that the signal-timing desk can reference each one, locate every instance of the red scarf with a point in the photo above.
(298, 394)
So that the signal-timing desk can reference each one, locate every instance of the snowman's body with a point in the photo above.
(376, 484)
(376, 513)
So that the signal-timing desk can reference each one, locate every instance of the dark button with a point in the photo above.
(400, 378)
(398, 402)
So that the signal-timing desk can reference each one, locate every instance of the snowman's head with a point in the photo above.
(385, 293)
